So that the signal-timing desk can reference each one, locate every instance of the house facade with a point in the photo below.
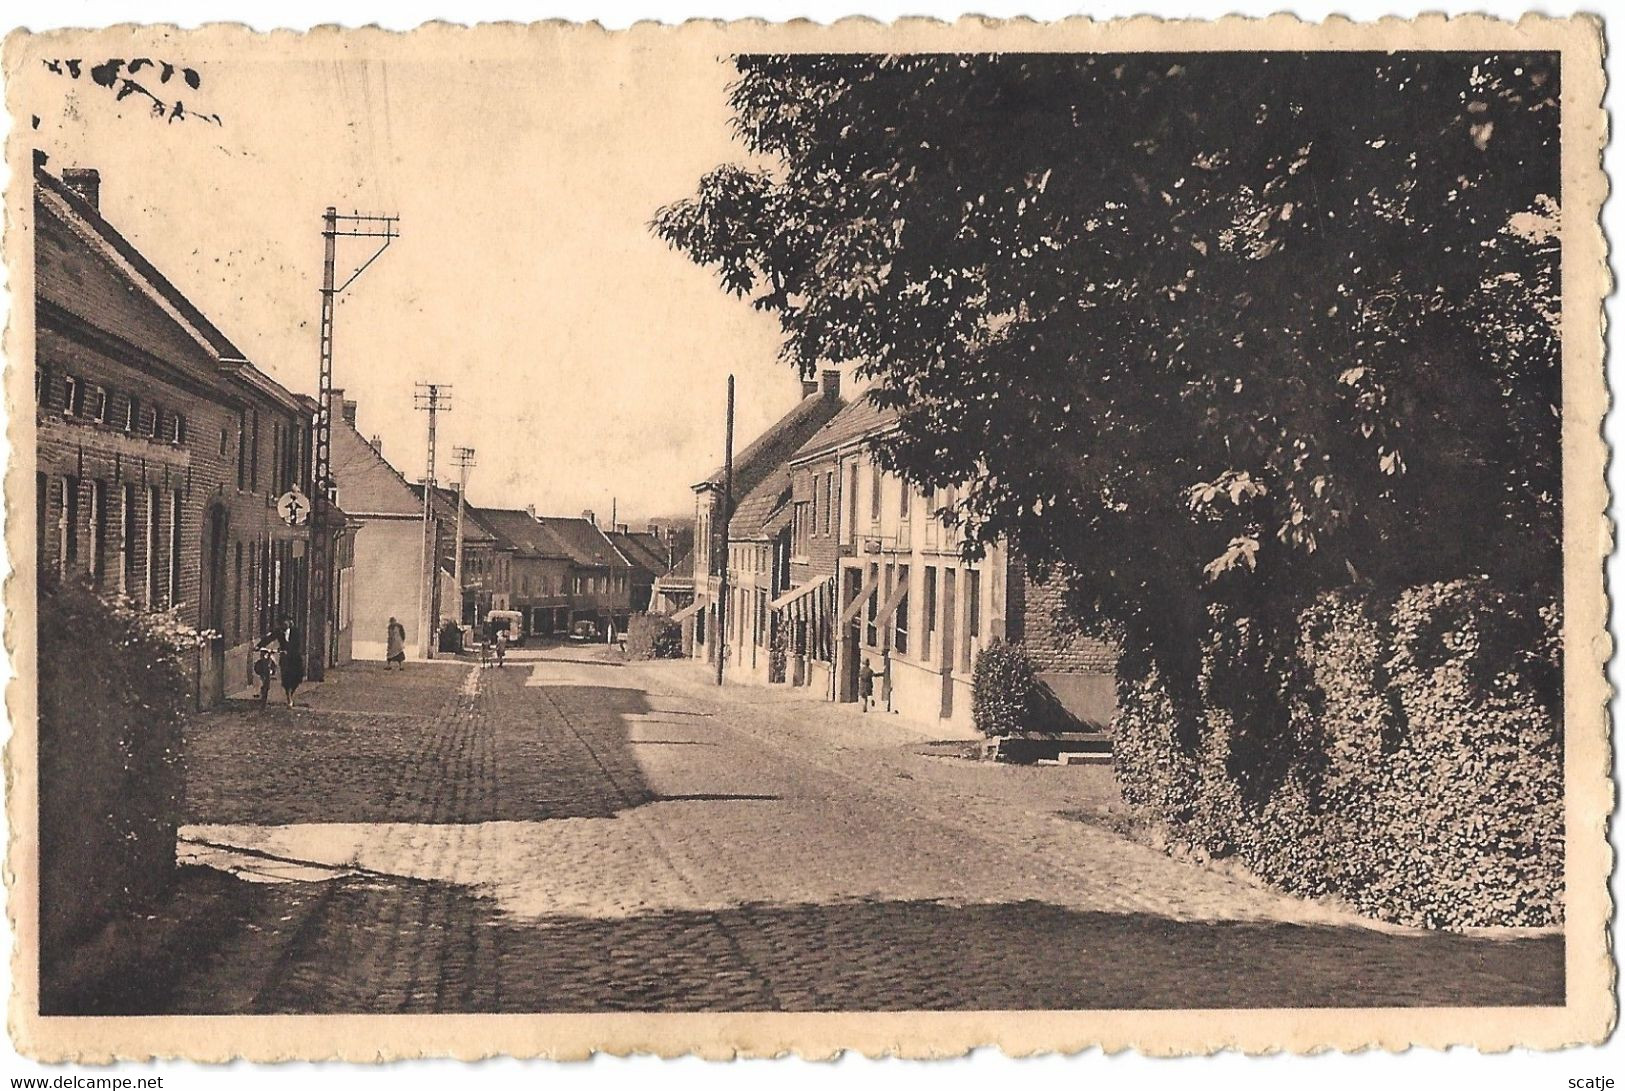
(386, 514)
(876, 576)
(766, 455)
(161, 450)
(537, 580)
(600, 576)
(648, 554)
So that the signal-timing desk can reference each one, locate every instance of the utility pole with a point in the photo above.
(432, 398)
(321, 623)
(727, 513)
(463, 457)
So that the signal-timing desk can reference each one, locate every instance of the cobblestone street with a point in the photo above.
(570, 834)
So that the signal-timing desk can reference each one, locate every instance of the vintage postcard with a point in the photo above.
(735, 539)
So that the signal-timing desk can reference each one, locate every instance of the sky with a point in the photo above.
(587, 360)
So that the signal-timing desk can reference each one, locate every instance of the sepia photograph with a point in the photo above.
(742, 538)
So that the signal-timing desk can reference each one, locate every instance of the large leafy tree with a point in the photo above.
(1229, 327)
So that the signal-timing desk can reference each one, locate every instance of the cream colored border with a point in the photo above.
(1590, 1012)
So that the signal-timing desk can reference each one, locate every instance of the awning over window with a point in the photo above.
(795, 594)
(690, 610)
(889, 607)
(856, 604)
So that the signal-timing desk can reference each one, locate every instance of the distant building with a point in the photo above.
(161, 449)
(600, 580)
(538, 575)
(650, 558)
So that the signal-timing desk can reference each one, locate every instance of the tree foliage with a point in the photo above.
(137, 77)
(1212, 328)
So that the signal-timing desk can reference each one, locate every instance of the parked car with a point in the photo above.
(512, 620)
(584, 631)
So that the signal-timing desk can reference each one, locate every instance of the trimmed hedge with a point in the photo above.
(1404, 756)
(115, 686)
(653, 636)
(1004, 690)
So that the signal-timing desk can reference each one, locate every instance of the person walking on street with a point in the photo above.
(502, 645)
(866, 684)
(289, 643)
(397, 645)
(264, 670)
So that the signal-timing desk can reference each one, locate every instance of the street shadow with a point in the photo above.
(384, 945)
(410, 746)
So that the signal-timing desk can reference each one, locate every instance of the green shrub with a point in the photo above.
(1405, 757)
(115, 685)
(653, 636)
(1004, 690)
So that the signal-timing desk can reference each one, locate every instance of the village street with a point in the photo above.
(570, 833)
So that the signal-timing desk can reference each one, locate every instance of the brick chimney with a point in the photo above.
(377, 443)
(654, 530)
(86, 182)
(530, 510)
(349, 412)
(809, 387)
(590, 517)
(832, 383)
(622, 528)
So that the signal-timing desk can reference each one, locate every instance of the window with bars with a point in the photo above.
(128, 530)
(174, 548)
(98, 531)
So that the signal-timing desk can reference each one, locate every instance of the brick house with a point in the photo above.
(538, 571)
(161, 450)
(648, 554)
(877, 577)
(767, 454)
(600, 578)
(758, 572)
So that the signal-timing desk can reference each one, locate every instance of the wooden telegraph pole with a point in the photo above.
(726, 513)
(432, 398)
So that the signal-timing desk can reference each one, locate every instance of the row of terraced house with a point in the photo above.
(833, 563)
(162, 451)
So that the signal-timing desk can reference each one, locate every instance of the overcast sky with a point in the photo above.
(587, 360)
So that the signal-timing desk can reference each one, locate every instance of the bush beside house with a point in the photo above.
(653, 636)
(1004, 690)
(115, 685)
(1408, 758)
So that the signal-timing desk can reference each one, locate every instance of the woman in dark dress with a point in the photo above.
(290, 645)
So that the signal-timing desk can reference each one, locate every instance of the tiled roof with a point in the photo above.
(683, 569)
(581, 541)
(759, 506)
(773, 448)
(446, 503)
(368, 484)
(76, 275)
(645, 551)
(521, 532)
(862, 418)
